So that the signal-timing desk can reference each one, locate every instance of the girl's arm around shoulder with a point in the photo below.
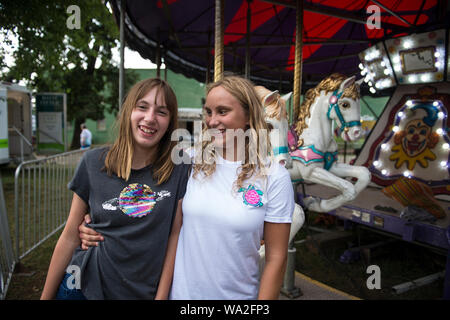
(165, 281)
(64, 248)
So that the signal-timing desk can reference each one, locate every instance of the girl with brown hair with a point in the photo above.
(132, 191)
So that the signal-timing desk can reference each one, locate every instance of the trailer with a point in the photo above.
(16, 133)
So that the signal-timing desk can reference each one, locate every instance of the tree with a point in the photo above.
(62, 51)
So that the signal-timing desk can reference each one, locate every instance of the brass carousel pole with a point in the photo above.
(218, 41)
(122, 52)
(288, 287)
(298, 59)
(158, 57)
(247, 43)
(208, 58)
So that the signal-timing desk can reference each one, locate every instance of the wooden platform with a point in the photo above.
(368, 199)
(315, 290)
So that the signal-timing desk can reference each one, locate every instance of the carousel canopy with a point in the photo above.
(334, 33)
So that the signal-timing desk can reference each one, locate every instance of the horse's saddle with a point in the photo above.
(309, 154)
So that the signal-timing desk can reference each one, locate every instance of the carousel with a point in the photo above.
(407, 151)
(329, 52)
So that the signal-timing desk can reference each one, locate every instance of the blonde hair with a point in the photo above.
(329, 84)
(243, 90)
(119, 157)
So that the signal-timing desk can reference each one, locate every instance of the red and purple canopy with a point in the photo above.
(334, 32)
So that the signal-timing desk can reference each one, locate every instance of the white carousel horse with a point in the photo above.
(314, 155)
(276, 117)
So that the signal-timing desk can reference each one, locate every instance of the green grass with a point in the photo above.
(42, 208)
(29, 277)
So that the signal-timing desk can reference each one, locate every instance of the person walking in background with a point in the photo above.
(85, 137)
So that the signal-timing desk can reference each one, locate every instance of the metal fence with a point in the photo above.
(42, 199)
(7, 261)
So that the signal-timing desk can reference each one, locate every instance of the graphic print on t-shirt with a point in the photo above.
(252, 196)
(136, 200)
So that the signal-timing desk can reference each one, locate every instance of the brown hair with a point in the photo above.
(119, 157)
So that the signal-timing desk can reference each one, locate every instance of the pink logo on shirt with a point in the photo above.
(252, 196)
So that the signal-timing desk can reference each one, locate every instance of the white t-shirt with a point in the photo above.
(85, 138)
(217, 255)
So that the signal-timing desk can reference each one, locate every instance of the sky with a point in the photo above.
(133, 59)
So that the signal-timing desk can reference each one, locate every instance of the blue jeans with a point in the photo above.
(64, 293)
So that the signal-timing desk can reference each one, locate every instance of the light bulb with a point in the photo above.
(425, 77)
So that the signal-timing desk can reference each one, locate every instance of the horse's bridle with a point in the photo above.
(334, 99)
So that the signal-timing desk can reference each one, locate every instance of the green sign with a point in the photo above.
(50, 121)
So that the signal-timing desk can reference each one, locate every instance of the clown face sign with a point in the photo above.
(415, 139)
(416, 135)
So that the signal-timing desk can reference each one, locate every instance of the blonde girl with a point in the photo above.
(232, 202)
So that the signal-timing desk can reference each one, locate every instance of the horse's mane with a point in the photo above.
(328, 84)
(276, 108)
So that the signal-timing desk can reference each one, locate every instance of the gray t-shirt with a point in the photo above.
(135, 218)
